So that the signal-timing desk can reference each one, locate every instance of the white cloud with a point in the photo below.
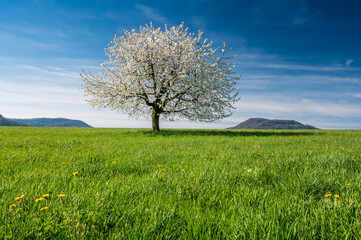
(303, 14)
(314, 78)
(10, 40)
(348, 62)
(152, 13)
(305, 107)
(198, 21)
(253, 59)
(338, 125)
(56, 71)
(307, 67)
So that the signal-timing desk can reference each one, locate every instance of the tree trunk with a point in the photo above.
(155, 120)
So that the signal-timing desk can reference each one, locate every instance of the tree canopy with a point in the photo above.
(169, 73)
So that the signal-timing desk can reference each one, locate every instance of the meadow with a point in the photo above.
(83, 183)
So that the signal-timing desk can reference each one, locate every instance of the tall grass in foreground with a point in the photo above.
(179, 184)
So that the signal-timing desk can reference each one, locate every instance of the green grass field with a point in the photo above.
(179, 184)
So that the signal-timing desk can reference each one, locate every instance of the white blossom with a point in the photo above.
(170, 73)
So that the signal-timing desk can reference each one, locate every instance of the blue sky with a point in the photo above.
(298, 59)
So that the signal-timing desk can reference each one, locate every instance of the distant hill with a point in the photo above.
(52, 122)
(263, 123)
(7, 122)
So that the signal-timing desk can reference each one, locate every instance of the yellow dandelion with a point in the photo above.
(328, 195)
(113, 162)
(160, 165)
(182, 170)
(75, 173)
(336, 196)
(19, 198)
(259, 153)
(45, 195)
(44, 208)
(61, 195)
(123, 177)
(162, 170)
(347, 200)
(12, 206)
(39, 199)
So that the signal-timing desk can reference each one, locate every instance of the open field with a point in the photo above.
(179, 184)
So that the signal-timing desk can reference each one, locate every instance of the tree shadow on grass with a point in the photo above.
(231, 133)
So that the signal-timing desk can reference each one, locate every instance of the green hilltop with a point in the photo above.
(263, 123)
(8, 122)
(52, 122)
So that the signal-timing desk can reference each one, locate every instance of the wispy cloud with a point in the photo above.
(298, 67)
(303, 13)
(248, 58)
(199, 21)
(302, 78)
(309, 68)
(302, 108)
(57, 71)
(8, 39)
(33, 92)
(282, 12)
(348, 62)
(151, 13)
(28, 30)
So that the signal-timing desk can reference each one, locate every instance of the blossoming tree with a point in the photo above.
(169, 73)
